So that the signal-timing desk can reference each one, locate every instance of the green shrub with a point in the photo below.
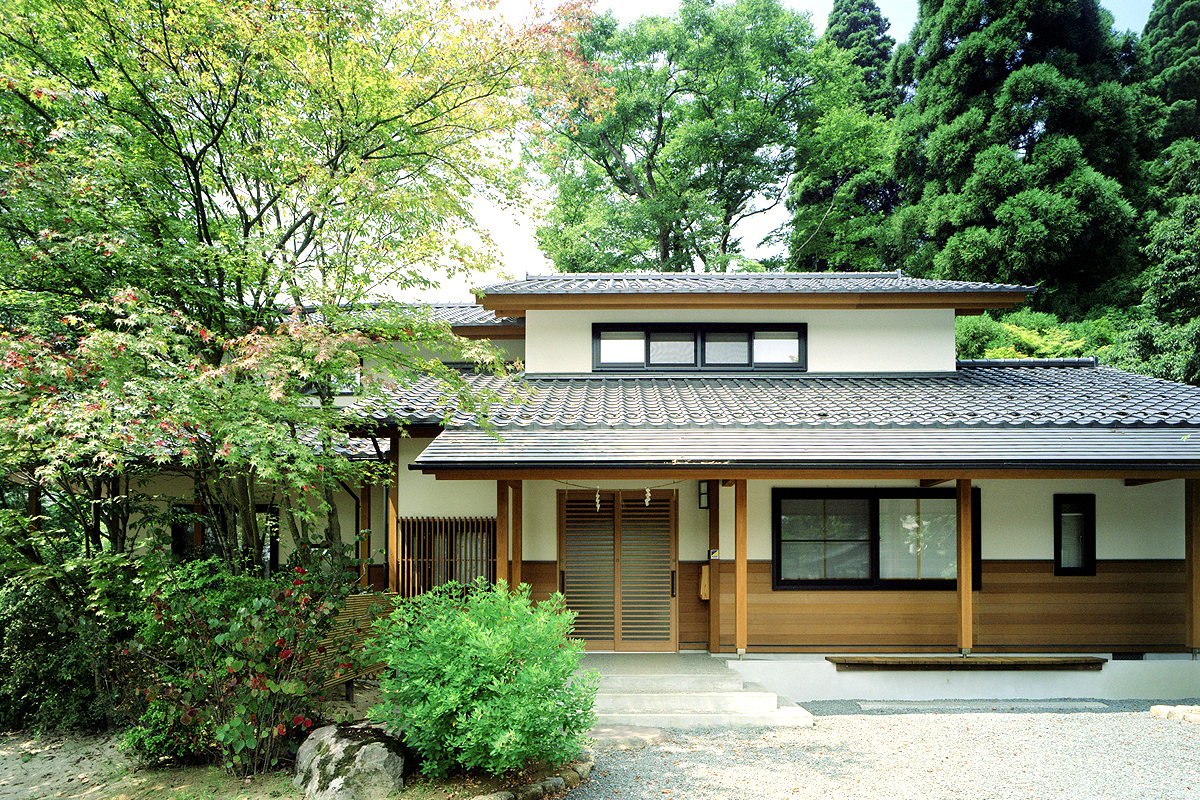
(250, 670)
(161, 735)
(483, 679)
(47, 677)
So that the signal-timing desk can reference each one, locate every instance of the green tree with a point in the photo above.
(1171, 47)
(1021, 150)
(232, 159)
(707, 108)
(860, 27)
(842, 190)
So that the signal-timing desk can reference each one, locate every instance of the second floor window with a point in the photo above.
(727, 348)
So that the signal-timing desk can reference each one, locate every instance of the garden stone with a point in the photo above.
(570, 777)
(553, 784)
(349, 763)
(533, 791)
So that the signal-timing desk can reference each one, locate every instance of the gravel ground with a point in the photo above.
(1119, 752)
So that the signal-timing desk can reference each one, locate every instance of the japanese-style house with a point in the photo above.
(796, 463)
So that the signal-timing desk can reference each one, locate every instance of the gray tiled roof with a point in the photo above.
(974, 396)
(737, 283)
(453, 313)
(469, 314)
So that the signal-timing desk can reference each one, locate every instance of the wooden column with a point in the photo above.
(740, 577)
(714, 567)
(966, 558)
(393, 504)
(501, 531)
(1191, 555)
(518, 513)
(364, 524)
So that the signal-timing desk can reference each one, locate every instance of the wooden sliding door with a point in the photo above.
(617, 568)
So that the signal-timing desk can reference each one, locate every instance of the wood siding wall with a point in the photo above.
(1021, 605)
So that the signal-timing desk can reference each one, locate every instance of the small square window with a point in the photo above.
(776, 347)
(1074, 534)
(730, 349)
(622, 347)
(672, 349)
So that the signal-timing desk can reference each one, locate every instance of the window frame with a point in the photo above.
(698, 332)
(1088, 503)
(874, 581)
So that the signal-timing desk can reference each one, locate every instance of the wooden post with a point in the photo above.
(501, 531)
(1191, 556)
(393, 525)
(714, 567)
(518, 513)
(740, 578)
(364, 523)
(966, 560)
(197, 524)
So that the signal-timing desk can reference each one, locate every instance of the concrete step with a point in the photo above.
(727, 681)
(739, 702)
(787, 716)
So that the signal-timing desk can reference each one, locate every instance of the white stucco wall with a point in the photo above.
(1132, 522)
(887, 340)
(1143, 522)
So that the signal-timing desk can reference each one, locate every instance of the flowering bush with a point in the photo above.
(250, 673)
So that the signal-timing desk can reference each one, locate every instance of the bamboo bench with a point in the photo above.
(353, 625)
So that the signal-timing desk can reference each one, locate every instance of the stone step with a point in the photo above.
(787, 716)
(727, 681)
(739, 702)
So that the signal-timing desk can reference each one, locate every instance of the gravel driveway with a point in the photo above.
(1119, 752)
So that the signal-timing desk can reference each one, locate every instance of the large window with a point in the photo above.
(727, 348)
(868, 538)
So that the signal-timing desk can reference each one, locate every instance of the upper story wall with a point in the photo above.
(883, 340)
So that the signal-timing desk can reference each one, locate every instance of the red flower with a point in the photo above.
(300, 571)
(280, 729)
(298, 582)
(285, 654)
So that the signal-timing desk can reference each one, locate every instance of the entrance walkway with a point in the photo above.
(683, 690)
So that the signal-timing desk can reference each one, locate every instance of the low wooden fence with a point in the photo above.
(437, 550)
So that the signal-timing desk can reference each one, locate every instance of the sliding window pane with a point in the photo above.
(917, 538)
(776, 347)
(672, 349)
(622, 347)
(732, 349)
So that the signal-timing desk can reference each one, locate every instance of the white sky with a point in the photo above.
(514, 237)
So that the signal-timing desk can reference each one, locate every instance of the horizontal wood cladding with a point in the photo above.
(1020, 606)
(1127, 605)
(693, 612)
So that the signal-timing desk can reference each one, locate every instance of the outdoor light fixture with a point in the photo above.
(704, 494)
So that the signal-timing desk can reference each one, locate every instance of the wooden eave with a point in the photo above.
(489, 331)
(964, 303)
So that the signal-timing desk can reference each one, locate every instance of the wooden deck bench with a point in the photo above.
(353, 624)
(957, 663)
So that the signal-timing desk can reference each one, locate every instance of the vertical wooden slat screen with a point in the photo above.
(646, 565)
(618, 567)
(437, 550)
(589, 565)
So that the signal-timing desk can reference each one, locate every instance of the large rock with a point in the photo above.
(349, 763)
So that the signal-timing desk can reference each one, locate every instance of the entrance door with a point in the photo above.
(617, 568)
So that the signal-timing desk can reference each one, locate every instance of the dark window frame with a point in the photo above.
(873, 582)
(698, 332)
(1088, 503)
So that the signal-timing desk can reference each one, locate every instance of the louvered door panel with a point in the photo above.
(647, 561)
(589, 566)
